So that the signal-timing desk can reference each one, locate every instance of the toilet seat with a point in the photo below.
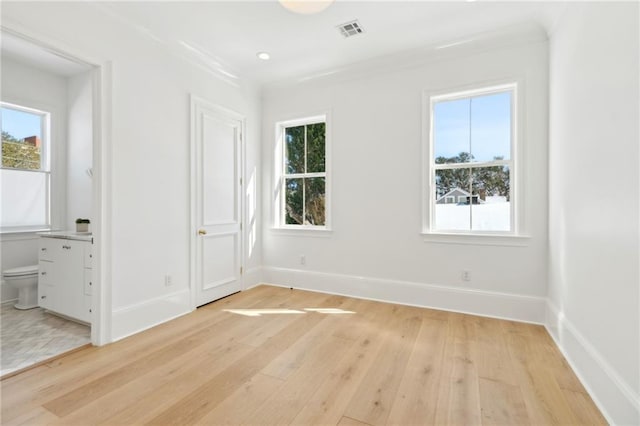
(21, 271)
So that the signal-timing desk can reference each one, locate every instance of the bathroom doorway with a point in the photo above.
(38, 78)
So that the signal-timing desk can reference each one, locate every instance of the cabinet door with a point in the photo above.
(70, 269)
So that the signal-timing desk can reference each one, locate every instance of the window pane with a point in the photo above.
(452, 197)
(294, 149)
(314, 201)
(492, 211)
(21, 139)
(293, 201)
(491, 127)
(315, 148)
(24, 196)
(451, 125)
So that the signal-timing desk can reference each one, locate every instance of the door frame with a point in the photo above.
(101, 176)
(195, 103)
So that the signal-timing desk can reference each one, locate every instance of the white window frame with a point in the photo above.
(513, 236)
(45, 166)
(279, 222)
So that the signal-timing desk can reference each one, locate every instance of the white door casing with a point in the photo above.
(216, 201)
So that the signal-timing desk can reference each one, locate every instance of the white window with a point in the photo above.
(302, 199)
(25, 172)
(471, 151)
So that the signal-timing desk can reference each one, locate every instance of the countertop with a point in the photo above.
(68, 235)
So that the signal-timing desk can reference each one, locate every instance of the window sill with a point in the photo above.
(303, 232)
(477, 239)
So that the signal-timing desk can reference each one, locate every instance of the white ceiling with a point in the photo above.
(226, 36)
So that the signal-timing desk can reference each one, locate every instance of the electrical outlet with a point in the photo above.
(465, 275)
(168, 280)
(303, 259)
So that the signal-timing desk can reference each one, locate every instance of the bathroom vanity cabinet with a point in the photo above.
(65, 274)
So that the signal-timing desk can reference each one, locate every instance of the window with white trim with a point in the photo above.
(471, 158)
(25, 169)
(301, 173)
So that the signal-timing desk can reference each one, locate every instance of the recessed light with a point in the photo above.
(263, 55)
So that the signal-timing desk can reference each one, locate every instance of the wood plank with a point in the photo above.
(493, 359)
(241, 404)
(290, 360)
(205, 398)
(584, 408)
(171, 380)
(85, 366)
(83, 395)
(502, 404)
(37, 416)
(421, 367)
(332, 397)
(283, 406)
(418, 392)
(374, 397)
(464, 398)
(348, 421)
(545, 401)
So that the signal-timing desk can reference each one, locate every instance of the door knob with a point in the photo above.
(202, 232)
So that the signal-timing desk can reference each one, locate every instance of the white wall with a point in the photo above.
(593, 201)
(149, 148)
(28, 86)
(375, 249)
(79, 148)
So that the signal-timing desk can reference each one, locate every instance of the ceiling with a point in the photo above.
(23, 51)
(225, 36)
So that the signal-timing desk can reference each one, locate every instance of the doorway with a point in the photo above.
(77, 188)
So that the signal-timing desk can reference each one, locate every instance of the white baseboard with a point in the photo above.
(490, 304)
(251, 278)
(135, 318)
(616, 400)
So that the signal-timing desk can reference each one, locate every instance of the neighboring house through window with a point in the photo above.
(25, 171)
(301, 173)
(471, 151)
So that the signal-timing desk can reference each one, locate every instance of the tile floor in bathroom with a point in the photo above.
(34, 335)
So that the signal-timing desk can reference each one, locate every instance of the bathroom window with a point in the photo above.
(25, 173)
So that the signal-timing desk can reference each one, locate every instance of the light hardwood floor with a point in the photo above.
(379, 364)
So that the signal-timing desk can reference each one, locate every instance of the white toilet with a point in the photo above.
(25, 279)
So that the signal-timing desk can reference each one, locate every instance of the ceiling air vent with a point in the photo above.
(350, 29)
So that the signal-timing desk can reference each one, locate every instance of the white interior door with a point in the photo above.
(216, 189)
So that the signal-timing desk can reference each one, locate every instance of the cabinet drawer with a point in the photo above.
(88, 285)
(45, 296)
(45, 269)
(47, 248)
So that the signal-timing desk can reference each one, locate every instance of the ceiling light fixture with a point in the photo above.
(306, 7)
(263, 55)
